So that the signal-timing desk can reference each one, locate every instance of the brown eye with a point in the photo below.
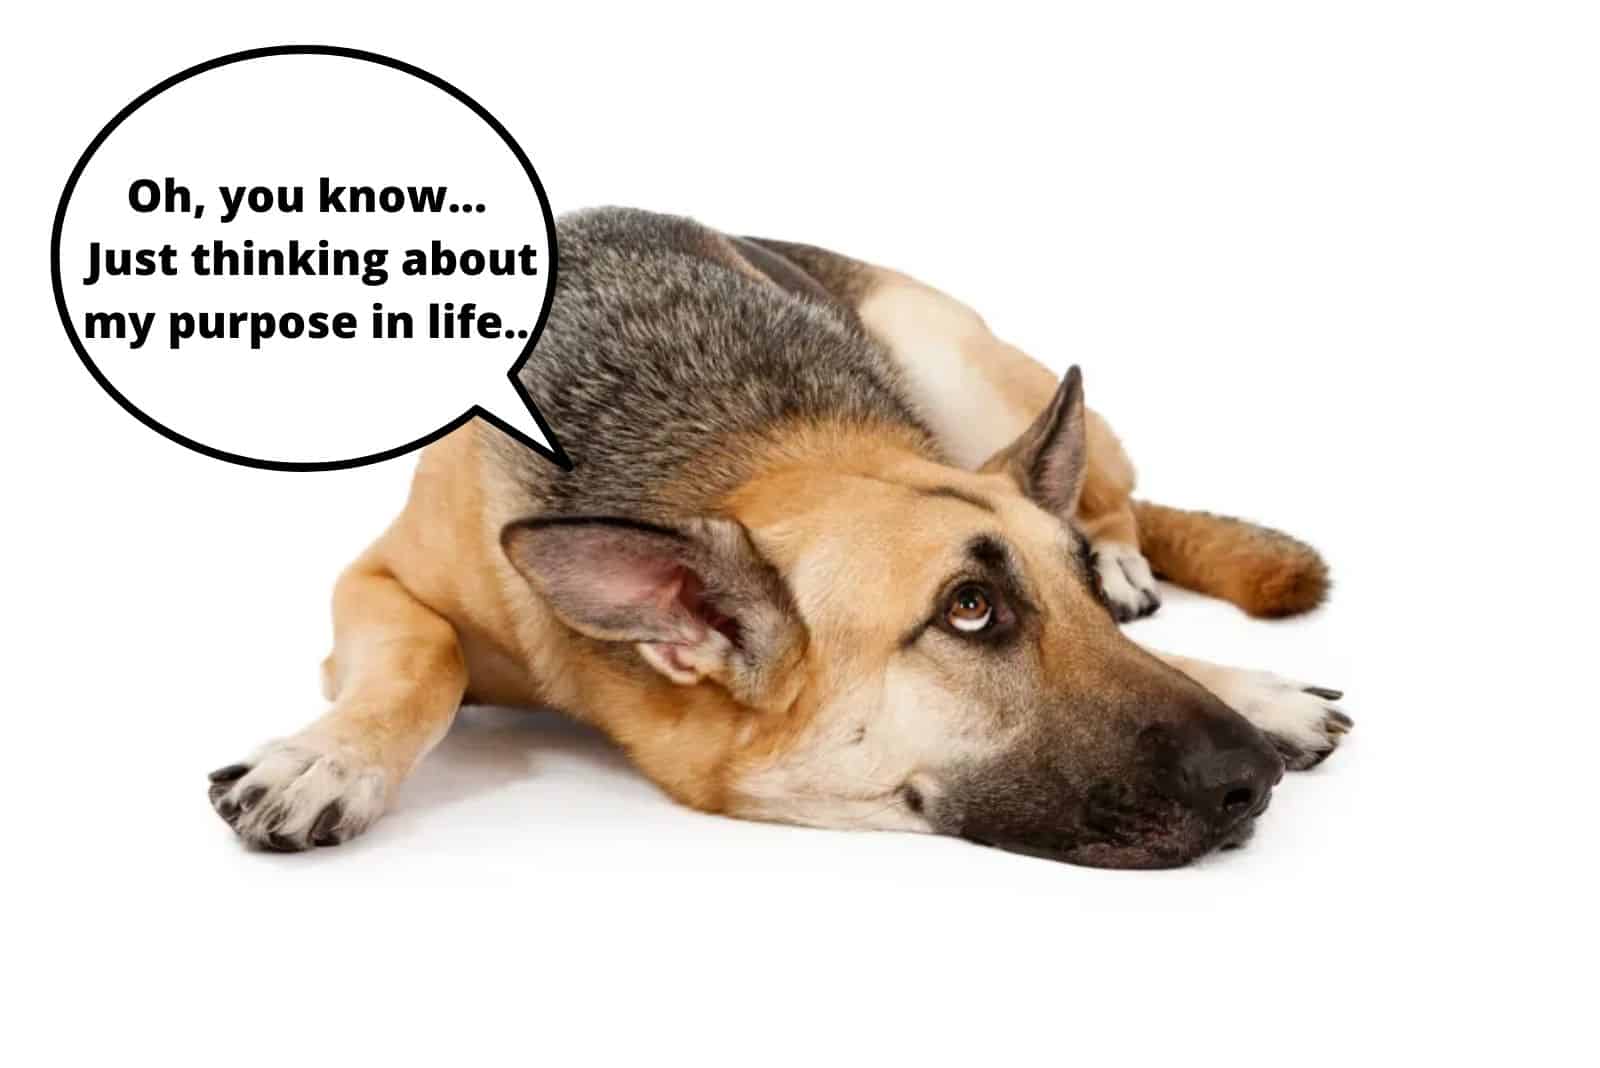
(969, 610)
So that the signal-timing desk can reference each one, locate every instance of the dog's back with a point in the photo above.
(669, 355)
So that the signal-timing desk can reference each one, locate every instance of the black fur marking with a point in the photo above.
(781, 269)
(845, 280)
(990, 553)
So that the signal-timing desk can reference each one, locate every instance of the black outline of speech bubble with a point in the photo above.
(555, 454)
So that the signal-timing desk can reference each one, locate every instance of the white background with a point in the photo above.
(1331, 267)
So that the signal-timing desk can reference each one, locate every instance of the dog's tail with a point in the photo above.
(1264, 572)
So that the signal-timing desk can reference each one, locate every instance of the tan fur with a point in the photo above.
(1264, 572)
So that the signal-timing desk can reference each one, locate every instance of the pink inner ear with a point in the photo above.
(644, 581)
(692, 596)
(657, 587)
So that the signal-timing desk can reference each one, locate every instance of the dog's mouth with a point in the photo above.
(1173, 852)
(1119, 830)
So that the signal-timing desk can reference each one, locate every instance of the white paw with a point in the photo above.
(298, 793)
(1299, 720)
(1126, 580)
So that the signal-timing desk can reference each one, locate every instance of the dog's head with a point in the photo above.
(913, 646)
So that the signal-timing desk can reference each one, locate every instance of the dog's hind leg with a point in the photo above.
(396, 678)
(1300, 720)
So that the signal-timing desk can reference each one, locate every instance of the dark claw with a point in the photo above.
(229, 773)
(251, 797)
(1296, 758)
(216, 792)
(1340, 720)
(282, 843)
(1317, 758)
(1287, 750)
(1324, 693)
(324, 832)
(1147, 605)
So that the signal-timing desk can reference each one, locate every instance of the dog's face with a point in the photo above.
(922, 648)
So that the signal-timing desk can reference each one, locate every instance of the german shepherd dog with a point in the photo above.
(831, 554)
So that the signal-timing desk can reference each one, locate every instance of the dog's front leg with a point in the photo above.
(396, 678)
(1299, 719)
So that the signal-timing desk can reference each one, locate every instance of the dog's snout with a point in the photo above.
(1226, 785)
(1223, 775)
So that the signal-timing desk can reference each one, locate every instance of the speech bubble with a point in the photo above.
(308, 258)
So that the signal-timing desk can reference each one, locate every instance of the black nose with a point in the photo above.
(1226, 785)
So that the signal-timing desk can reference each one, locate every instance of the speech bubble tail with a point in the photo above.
(519, 417)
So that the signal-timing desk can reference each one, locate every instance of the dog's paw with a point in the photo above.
(1299, 720)
(1126, 581)
(297, 794)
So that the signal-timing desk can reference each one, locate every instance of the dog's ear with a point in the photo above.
(696, 598)
(1049, 460)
